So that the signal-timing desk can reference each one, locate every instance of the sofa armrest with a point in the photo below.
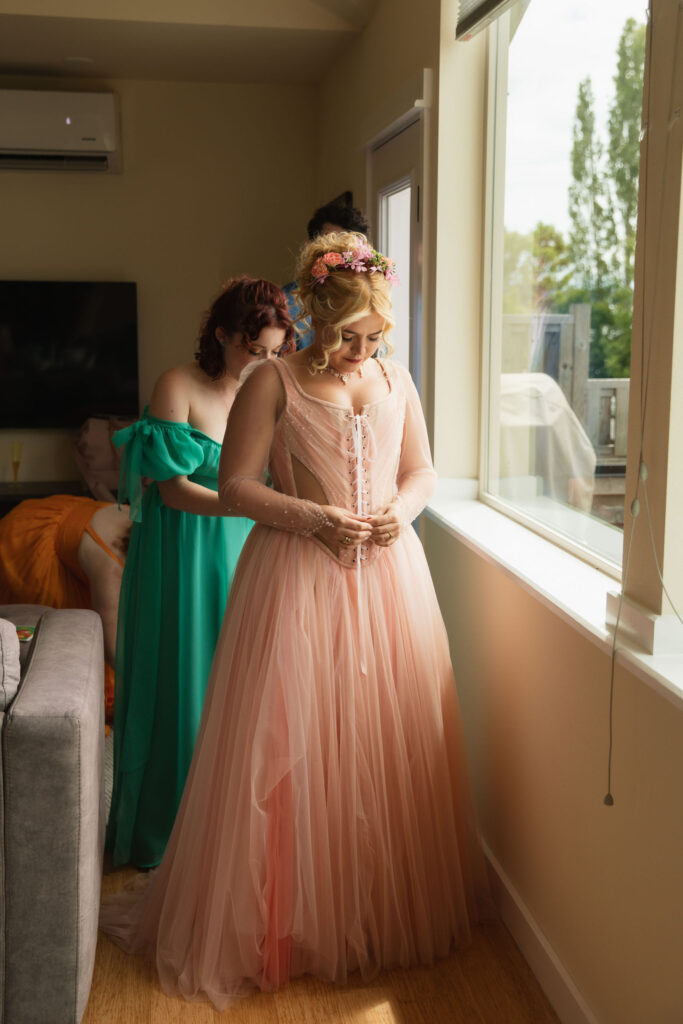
(52, 761)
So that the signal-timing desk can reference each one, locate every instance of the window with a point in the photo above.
(394, 232)
(395, 189)
(565, 119)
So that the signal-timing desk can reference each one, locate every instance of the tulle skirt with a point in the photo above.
(327, 824)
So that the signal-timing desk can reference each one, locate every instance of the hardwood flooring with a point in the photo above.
(487, 983)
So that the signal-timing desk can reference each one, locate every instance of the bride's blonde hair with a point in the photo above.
(342, 295)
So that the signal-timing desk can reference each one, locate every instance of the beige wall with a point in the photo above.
(459, 249)
(401, 39)
(217, 180)
(605, 885)
(298, 14)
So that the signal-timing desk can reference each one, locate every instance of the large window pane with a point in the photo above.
(566, 173)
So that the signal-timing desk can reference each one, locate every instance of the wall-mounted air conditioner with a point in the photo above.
(67, 131)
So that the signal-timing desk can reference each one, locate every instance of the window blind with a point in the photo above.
(477, 14)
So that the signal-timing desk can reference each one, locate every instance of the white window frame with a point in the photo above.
(492, 288)
(414, 179)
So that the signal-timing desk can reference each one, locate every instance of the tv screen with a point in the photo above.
(68, 350)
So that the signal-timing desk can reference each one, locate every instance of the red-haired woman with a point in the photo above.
(182, 556)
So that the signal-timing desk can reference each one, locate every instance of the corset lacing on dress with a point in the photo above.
(358, 450)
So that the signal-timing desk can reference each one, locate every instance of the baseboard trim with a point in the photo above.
(552, 976)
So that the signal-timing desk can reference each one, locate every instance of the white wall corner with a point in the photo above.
(550, 972)
(426, 100)
(399, 109)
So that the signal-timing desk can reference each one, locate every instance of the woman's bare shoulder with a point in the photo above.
(171, 397)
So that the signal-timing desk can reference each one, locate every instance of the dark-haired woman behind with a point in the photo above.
(180, 563)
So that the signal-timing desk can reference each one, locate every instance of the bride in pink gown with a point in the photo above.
(327, 824)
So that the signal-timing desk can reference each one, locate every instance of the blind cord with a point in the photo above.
(645, 384)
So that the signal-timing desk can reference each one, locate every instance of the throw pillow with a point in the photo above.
(10, 672)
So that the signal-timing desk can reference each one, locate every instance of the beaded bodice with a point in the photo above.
(321, 455)
(354, 457)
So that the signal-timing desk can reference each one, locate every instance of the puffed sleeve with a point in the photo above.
(156, 449)
(416, 478)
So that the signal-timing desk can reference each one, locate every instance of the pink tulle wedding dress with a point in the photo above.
(327, 824)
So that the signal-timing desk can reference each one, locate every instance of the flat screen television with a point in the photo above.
(68, 350)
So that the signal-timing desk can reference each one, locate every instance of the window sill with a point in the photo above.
(581, 530)
(565, 584)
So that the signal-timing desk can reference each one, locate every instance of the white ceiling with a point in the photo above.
(187, 40)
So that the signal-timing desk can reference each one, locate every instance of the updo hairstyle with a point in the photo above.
(343, 297)
(245, 306)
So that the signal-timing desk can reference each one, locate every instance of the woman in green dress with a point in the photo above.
(182, 556)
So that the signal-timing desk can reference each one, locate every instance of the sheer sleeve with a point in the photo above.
(244, 457)
(416, 478)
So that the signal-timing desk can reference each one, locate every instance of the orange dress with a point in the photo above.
(39, 558)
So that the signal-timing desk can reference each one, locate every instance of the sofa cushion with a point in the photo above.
(10, 671)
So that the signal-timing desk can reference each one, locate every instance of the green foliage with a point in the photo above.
(592, 234)
(610, 351)
(543, 272)
(535, 270)
(624, 139)
(518, 273)
(552, 270)
(616, 338)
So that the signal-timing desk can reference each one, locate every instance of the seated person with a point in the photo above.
(67, 552)
(334, 216)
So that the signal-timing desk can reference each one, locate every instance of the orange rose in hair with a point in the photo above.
(319, 269)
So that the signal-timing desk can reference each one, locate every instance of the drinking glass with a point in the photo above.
(16, 447)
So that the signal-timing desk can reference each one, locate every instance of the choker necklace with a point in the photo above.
(343, 377)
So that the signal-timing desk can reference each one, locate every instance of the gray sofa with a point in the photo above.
(52, 812)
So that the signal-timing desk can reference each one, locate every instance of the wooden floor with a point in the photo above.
(488, 983)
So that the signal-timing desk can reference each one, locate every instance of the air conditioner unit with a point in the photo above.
(67, 131)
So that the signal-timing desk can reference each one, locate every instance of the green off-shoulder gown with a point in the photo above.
(173, 595)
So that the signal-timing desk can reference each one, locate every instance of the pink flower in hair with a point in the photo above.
(319, 270)
(361, 260)
(355, 260)
(390, 271)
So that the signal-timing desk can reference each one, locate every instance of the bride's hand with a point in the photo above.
(386, 526)
(346, 529)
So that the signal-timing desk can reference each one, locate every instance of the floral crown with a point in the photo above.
(361, 260)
